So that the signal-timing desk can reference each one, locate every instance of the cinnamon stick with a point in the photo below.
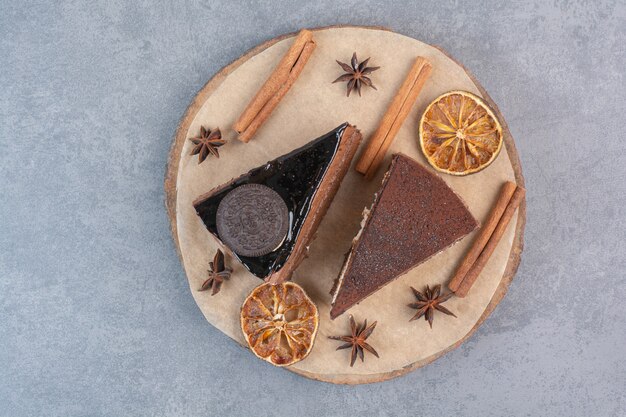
(491, 245)
(395, 115)
(276, 86)
(485, 233)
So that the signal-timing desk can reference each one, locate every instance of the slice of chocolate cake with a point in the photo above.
(268, 216)
(415, 215)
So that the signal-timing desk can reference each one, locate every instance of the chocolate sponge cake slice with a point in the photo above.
(268, 216)
(415, 215)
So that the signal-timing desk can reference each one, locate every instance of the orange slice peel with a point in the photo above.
(279, 322)
(459, 134)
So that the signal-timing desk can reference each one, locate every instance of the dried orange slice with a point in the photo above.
(459, 134)
(279, 322)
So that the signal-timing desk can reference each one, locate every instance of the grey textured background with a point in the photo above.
(95, 313)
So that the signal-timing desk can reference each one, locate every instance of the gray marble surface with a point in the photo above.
(96, 318)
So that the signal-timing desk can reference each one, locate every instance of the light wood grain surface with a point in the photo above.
(371, 371)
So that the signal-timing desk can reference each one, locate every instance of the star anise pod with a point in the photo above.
(428, 302)
(207, 143)
(356, 75)
(218, 272)
(356, 341)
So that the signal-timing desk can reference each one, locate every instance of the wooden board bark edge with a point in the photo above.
(171, 175)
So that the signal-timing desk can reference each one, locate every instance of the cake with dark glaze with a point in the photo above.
(307, 180)
(415, 215)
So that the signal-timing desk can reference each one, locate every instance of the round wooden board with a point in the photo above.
(179, 160)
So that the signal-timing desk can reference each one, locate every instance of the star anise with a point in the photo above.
(218, 272)
(356, 75)
(356, 341)
(428, 302)
(207, 143)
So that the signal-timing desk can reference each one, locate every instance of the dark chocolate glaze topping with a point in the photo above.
(296, 177)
